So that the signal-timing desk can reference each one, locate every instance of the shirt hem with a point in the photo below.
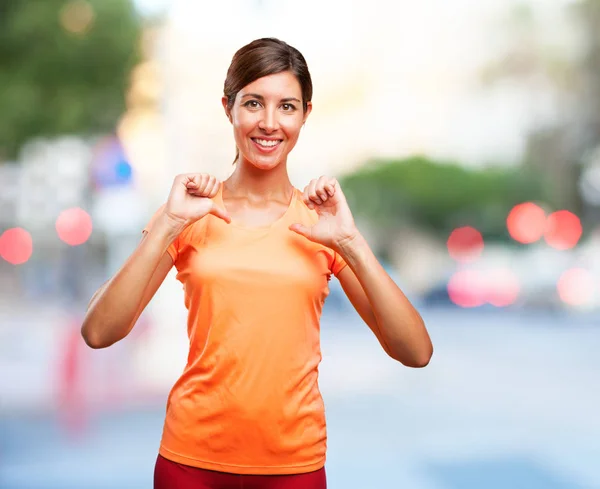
(241, 469)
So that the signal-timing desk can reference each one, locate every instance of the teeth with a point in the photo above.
(262, 142)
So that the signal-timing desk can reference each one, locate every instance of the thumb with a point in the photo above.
(220, 213)
(302, 230)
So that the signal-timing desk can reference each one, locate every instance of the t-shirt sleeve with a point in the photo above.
(338, 264)
(173, 248)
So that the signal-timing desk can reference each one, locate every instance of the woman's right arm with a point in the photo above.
(117, 305)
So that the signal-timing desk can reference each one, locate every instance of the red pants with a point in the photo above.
(171, 475)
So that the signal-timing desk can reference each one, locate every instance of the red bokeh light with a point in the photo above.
(465, 244)
(563, 230)
(74, 226)
(473, 288)
(16, 246)
(465, 288)
(526, 222)
(576, 287)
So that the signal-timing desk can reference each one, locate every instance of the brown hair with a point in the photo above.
(263, 57)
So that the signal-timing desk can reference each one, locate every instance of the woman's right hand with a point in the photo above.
(190, 199)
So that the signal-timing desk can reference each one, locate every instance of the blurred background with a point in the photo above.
(466, 136)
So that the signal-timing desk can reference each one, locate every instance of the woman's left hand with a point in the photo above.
(335, 226)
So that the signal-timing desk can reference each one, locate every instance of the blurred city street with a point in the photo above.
(510, 400)
(465, 137)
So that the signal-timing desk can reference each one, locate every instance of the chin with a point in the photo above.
(263, 163)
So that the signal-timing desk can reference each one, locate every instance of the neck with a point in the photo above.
(249, 181)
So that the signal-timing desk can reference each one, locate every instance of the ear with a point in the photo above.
(308, 111)
(227, 112)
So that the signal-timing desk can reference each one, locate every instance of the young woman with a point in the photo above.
(254, 255)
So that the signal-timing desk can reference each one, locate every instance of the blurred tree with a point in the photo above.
(64, 67)
(560, 58)
(439, 196)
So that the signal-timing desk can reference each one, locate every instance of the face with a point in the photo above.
(267, 117)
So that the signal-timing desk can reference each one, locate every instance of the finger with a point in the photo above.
(321, 191)
(194, 190)
(220, 213)
(210, 182)
(312, 193)
(214, 189)
(202, 185)
(190, 182)
(302, 230)
(337, 190)
(330, 187)
(306, 198)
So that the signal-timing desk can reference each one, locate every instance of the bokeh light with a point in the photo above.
(16, 246)
(576, 287)
(466, 288)
(74, 226)
(503, 287)
(526, 222)
(77, 17)
(465, 244)
(110, 167)
(563, 230)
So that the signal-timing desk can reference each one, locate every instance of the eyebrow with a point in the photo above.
(260, 97)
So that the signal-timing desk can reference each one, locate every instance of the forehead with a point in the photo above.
(280, 85)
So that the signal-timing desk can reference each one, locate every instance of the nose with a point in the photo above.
(269, 122)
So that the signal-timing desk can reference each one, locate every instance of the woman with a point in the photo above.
(254, 255)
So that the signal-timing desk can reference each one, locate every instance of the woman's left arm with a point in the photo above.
(377, 299)
(382, 305)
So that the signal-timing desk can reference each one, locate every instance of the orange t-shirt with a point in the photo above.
(248, 401)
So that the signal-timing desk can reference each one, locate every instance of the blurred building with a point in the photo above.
(385, 85)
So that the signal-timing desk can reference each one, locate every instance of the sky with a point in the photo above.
(151, 6)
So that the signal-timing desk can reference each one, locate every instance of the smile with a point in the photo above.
(266, 146)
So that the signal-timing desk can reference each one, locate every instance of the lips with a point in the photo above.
(266, 145)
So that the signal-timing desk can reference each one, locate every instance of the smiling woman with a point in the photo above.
(267, 78)
(255, 256)
(267, 115)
